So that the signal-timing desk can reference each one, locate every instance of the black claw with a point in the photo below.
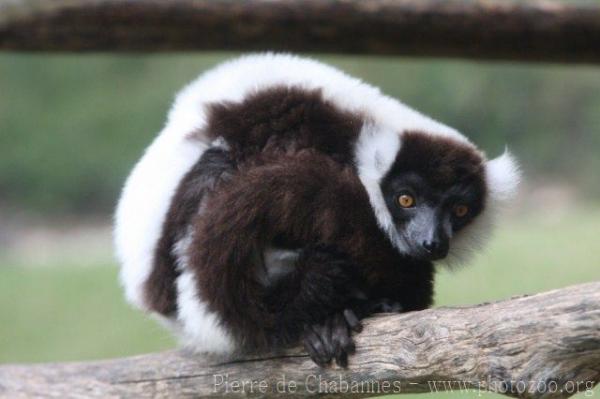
(342, 359)
(316, 348)
(325, 335)
(314, 356)
(352, 320)
(332, 339)
(342, 335)
(347, 344)
(329, 331)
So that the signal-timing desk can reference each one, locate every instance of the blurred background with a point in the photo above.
(71, 127)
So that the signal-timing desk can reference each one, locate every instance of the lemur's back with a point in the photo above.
(233, 81)
(283, 119)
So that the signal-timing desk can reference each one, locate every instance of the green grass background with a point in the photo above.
(72, 126)
(74, 313)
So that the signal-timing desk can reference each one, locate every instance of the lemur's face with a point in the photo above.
(434, 189)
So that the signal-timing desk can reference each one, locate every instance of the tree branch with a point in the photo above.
(536, 30)
(542, 345)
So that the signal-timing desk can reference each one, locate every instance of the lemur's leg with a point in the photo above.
(284, 198)
(330, 289)
(213, 167)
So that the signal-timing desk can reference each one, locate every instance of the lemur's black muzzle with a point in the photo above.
(436, 248)
(428, 234)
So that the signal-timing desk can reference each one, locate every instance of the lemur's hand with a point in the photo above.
(333, 302)
(332, 339)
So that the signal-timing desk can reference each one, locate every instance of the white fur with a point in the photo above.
(201, 329)
(144, 203)
(503, 176)
(375, 152)
(148, 191)
(197, 327)
(233, 80)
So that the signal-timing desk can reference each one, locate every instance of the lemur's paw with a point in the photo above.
(332, 339)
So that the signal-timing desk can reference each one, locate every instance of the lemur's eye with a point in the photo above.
(461, 210)
(406, 201)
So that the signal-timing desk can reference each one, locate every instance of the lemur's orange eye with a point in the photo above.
(461, 210)
(406, 201)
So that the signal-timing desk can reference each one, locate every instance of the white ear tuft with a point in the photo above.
(503, 176)
(376, 151)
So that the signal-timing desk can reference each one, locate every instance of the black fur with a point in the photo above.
(284, 118)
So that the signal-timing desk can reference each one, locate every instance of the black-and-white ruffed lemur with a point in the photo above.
(285, 200)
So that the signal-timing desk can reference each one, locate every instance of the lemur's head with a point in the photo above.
(434, 195)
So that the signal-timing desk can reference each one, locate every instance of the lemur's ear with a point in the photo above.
(503, 176)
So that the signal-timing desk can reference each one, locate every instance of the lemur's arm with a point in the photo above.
(297, 198)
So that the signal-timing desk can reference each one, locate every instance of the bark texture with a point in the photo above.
(535, 30)
(545, 345)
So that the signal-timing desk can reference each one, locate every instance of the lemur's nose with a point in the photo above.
(436, 248)
(431, 246)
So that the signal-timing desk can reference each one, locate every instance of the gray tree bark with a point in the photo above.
(546, 345)
(533, 30)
